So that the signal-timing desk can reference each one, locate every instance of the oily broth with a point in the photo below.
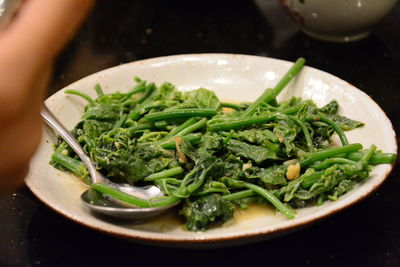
(171, 221)
(253, 211)
(166, 222)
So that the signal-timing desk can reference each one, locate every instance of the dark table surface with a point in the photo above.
(367, 234)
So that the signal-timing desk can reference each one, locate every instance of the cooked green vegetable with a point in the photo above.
(211, 160)
(208, 210)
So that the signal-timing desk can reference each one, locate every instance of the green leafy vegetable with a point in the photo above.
(256, 153)
(206, 211)
(211, 160)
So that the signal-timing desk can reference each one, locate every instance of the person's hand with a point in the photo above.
(28, 48)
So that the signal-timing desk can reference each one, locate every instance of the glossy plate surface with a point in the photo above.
(233, 78)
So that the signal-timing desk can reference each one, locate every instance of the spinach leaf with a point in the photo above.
(212, 187)
(286, 132)
(342, 188)
(206, 169)
(345, 123)
(233, 167)
(168, 92)
(256, 153)
(94, 128)
(104, 112)
(210, 144)
(272, 176)
(123, 166)
(330, 108)
(256, 136)
(206, 211)
(201, 98)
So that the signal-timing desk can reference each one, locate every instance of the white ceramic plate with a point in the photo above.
(233, 78)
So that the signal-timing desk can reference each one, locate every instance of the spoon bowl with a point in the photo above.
(97, 202)
(108, 206)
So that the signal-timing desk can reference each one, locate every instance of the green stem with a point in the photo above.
(198, 125)
(377, 158)
(190, 184)
(309, 180)
(179, 113)
(186, 124)
(164, 201)
(142, 126)
(335, 127)
(297, 66)
(285, 210)
(329, 162)
(164, 174)
(134, 114)
(289, 213)
(239, 123)
(151, 134)
(270, 135)
(231, 105)
(320, 155)
(239, 195)
(147, 92)
(191, 138)
(122, 196)
(98, 89)
(269, 95)
(228, 137)
(73, 165)
(161, 124)
(83, 95)
(273, 147)
(290, 110)
(321, 199)
(119, 123)
(140, 87)
(305, 132)
(367, 157)
(138, 202)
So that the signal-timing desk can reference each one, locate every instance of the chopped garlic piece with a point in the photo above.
(293, 171)
(181, 156)
(246, 166)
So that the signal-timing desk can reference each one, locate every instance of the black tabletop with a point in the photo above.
(367, 234)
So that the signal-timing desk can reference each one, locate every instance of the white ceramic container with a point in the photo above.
(337, 20)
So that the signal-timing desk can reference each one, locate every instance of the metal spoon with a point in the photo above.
(106, 206)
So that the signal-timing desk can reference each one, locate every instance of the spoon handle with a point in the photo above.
(50, 119)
